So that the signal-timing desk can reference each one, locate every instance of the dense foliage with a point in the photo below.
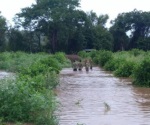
(3, 28)
(131, 30)
(28, 96)
(57, 25)
(60, 25)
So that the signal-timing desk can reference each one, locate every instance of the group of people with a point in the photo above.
(78, 65)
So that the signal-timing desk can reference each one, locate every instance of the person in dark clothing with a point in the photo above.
(87, 65)
(74, 65)
(80, 65)
(91, 64)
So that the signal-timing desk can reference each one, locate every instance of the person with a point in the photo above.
(87, 64)
(74, 65)
(80, 65)
(91, 65)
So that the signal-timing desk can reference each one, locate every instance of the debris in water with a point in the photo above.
(107, 107)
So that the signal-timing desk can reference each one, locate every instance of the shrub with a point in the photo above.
(141, 73)
(104, 57)
(61, 58)
(93, 54)
(96, 59)
(51, 62)
(125, 69)
(114, 63)
(83, 54)
(110, 65)
(29, 97)
(136, 52)
(13, 61)
(41, 67)
(20, 102)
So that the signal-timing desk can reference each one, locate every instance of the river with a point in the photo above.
(98, 98)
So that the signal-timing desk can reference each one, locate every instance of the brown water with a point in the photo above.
(98, 98)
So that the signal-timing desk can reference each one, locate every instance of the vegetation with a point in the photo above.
(28, 96)
(55, 26)
(137, 25)
(60, 25)
(134, 63)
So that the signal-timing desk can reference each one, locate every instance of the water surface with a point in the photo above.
(98, 98)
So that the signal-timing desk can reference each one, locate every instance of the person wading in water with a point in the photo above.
(87, 65)
(74, 65)
(80, 65)
(91, 65)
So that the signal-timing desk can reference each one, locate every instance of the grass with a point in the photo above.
(31, 97)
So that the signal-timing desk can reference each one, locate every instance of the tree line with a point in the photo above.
(60, 25)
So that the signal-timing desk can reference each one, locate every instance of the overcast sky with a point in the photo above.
(111, 7)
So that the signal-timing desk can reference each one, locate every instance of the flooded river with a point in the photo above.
(98, 98)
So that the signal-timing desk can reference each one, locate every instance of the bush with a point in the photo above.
(29, 97)
(93, 54)
(41, 67)
(96, 59)
(51, 62)
(125, 69)
(83, 54)
(111, 65)
(104, 57)
(62, 60)
(136, 52)
(141, 73)
(20, 102)
(60, 56)
(13, 61)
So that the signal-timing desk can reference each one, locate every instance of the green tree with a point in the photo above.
(66, 27)
(50, 17)
(15, 40)
(143, 44)
(104, 40)
(136, 23)
(120, 37)
(97, 36)
(3, 29)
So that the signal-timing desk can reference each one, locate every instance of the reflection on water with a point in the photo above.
(98, 98)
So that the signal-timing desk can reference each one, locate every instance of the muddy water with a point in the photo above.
(98, 98)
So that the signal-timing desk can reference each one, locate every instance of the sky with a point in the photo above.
(9, 8)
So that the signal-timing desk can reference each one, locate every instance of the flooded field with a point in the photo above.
(98, 98)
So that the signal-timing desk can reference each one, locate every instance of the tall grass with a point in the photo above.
(29, 96)
(13, 61)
